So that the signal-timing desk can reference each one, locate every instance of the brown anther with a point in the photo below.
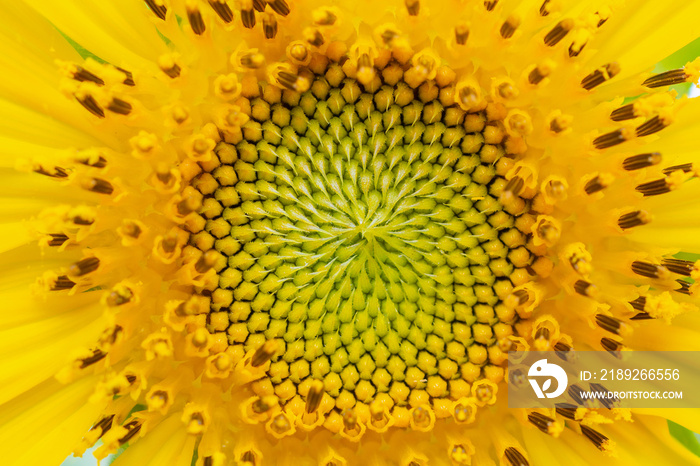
(56, 239)
(119, 296)
(642, 316)
(314, 397)
(82, 75)
(599, 76)
(183, 310)
(264, 353)
(639, 303)
(128, 77)
(83, 267)
(259, 5)
(289, 81)
(55, 172)
(654, 188)
(610, 324)
(685, 168)
(559, 123)
(133, 428)
(105, 423)
(110, 336)
(652, 126)
(514, 457)
(314, 37)
(637, 162)
(507, 90)
(388, 33)
(161, 396)
(91, 160)
(509, 26)
(364, 61)
(603, 18)
(611, 139)
(157, 8)
(544, 9)
(468, 96)
(679, 266)
(222, 9)
(555, 189)
(249, 457)
(189, 204)
(169, 243)
(206, 261)
(97, 185)
(626, 112)
(490, 4)
(562, 349)
(633, 219)
(558, 32)
(194, 16)
(667, 78)
(164, 174)
(576, 49)
(269, 26)
(413, 7)
(685, 287)
(324, 17)
(538, 74)
(461, 33)
(585, 288)
(78, 220)
(252, 60)
(170, 68)
(599, 440)
(522, 296)
(248, 14)
(91, 105)
(574, 392)
(264, 404)
(515, 186)
(611, 345)
(566, 410)
(649, 270)
(542, 333)
(597, 184)
(279, 6)
(97, 355)
(607, 400)
(542, 422)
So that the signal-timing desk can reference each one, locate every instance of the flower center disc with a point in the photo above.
(364, 234)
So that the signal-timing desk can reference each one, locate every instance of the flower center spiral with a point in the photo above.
(371, 235)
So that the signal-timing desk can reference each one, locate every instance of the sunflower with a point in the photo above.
(291, 232)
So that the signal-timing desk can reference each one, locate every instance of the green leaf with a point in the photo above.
(687, 438)
(82, 51)
(678, 59)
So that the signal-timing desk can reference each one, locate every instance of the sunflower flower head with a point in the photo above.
(290, 232)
